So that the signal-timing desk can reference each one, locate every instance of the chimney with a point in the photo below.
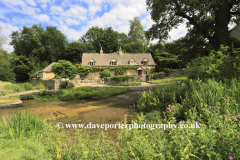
(120, 51)
(101, 51)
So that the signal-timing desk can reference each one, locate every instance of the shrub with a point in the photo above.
(122, 78)
(27, 86)
(39, 86)
(159, 75)
(66, 84)
(105, 73)
(64, 69)
(167, 71)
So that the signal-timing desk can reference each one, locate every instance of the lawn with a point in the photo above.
(4, 100)
(167, 80)
(125, 84)
(76, 93)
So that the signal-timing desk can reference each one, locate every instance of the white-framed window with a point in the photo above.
(113, 63)
(112, 74)
(144, 73)
(145, 62)
(132, 72)
(132, 63)
(92, 63)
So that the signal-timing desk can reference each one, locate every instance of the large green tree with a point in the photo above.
(74, 51)
(136, 31)
(6, 70)
(96, 37)
(205, 19)
(33, 41)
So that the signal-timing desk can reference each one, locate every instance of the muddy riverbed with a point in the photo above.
(82, 111)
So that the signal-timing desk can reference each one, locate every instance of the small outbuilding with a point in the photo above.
(46, 72)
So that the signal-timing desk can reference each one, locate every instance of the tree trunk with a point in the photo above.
(221, 35)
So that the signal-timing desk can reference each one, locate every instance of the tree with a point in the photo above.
(136, 41)
(3, 39)
(6, 71)
(105, 73)
(206, 19)
(35, 42)
(136, 30)
(74, 51)
(64, 69)
(96, 37)
(24, 67)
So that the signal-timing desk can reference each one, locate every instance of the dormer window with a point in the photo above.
(145, 62)
(92, 63)
(132, 62)
(113, 62)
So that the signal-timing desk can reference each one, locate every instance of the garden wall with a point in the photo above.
(52, 84)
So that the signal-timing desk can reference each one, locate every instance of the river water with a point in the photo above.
(81, 111)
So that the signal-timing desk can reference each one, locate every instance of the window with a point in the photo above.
(132, 63)
(145, 62)
(144, 73)
(112, 74)
(132, 72)
(92, 63)
(113, 63)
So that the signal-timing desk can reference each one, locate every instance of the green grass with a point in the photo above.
(76, 93)
(167, 80)
(12, 99)
(126, 84)
(9, 88)
(213, 106)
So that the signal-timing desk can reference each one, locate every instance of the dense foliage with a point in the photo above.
(205, 19)
(64, 69)
(105, 73)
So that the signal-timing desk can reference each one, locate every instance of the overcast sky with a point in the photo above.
(74, 17)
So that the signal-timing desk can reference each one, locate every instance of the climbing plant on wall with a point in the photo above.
(118, 70)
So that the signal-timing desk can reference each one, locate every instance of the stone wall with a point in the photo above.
(52, 84)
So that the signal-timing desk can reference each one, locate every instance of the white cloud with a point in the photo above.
(31, 2)
(44, 5)
(71, 33)
(75, 11)
(93, 9)
(56, 10)
(42, 17)
(7, 31)
(71, 21)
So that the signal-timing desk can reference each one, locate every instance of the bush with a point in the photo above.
(122, 78)
(27, 86)
(64, 69)
(39, 86)
(167, 71)
(156, 75)
(105, 73)
(66, 84)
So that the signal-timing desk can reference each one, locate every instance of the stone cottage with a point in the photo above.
(144, 61)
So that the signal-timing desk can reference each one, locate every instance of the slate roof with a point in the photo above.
(49, 67)
(106, 58)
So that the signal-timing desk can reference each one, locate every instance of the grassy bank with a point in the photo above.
(9, 88)
(167, 80)
(8, 99)
(76, 93)
(125, 84)
(212, 107)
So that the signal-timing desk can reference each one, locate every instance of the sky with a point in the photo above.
(74, 17)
